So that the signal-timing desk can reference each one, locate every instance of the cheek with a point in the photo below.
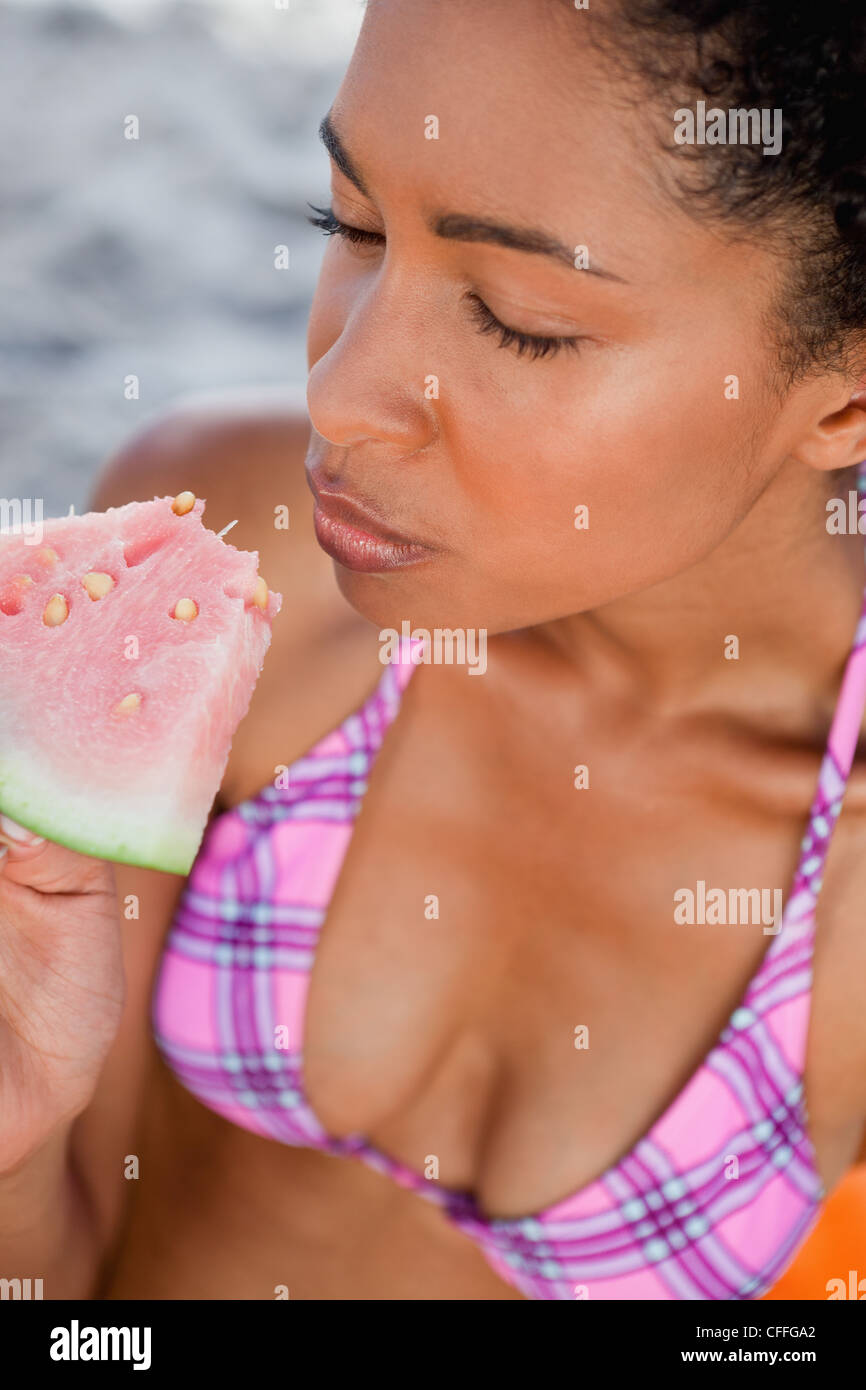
(610, 478)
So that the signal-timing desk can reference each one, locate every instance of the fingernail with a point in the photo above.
(18, 834)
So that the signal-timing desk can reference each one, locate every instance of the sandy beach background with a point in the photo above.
(152, 257)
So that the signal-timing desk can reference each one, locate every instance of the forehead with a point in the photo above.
(530, 125)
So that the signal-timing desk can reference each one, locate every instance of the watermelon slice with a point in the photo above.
(130, 644)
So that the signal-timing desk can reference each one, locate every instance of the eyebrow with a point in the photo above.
(455, 226)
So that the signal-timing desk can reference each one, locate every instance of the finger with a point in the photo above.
(14, 838)
(48, 867)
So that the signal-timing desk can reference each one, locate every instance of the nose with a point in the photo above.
(370, 378)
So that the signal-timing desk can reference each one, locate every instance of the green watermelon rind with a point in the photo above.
(170, 851)
(150, 811)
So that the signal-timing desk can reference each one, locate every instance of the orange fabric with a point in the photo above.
(837, 1244)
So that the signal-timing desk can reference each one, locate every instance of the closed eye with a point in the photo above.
(532, 344)
(330, 224)
(528, 344)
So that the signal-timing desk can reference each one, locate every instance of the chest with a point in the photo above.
(505, 979)
(501, 976)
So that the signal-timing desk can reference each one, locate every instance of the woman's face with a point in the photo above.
(454, 438)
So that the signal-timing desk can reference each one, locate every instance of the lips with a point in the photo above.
(359, 540)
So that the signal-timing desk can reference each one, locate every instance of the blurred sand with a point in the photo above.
(153, 257)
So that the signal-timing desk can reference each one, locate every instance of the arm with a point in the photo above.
(62, 1211)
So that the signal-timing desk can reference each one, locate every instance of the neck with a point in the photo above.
(780, 584)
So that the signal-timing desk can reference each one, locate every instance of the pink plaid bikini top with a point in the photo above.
(712, 1203)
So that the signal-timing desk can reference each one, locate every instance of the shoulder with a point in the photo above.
(244, 454)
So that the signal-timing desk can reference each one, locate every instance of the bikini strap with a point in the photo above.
(366, 727)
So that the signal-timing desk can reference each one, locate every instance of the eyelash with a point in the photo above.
(522, 343)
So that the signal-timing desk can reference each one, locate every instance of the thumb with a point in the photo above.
(33, 862)
(17, 842)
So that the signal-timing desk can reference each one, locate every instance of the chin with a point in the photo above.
(411, 595)
(387, 599)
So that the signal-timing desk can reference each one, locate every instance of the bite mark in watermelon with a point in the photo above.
(131, 641)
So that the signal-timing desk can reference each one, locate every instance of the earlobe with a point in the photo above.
(838, 440)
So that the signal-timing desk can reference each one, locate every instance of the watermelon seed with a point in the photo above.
(47, 557)
(183, 503)
(56, 611)
(97, 584)
(127, 704)
(186, 609)
(260, 594)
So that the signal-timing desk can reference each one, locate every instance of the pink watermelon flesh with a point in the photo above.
(136, 786)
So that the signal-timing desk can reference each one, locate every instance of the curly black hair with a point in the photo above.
(807, 59)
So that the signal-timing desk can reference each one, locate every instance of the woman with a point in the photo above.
(585, 389)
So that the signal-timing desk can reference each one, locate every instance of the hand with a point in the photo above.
(61, 985)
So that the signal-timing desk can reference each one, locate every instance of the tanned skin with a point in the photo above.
(606, 647)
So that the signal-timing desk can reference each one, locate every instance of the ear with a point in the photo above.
(837, 439)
